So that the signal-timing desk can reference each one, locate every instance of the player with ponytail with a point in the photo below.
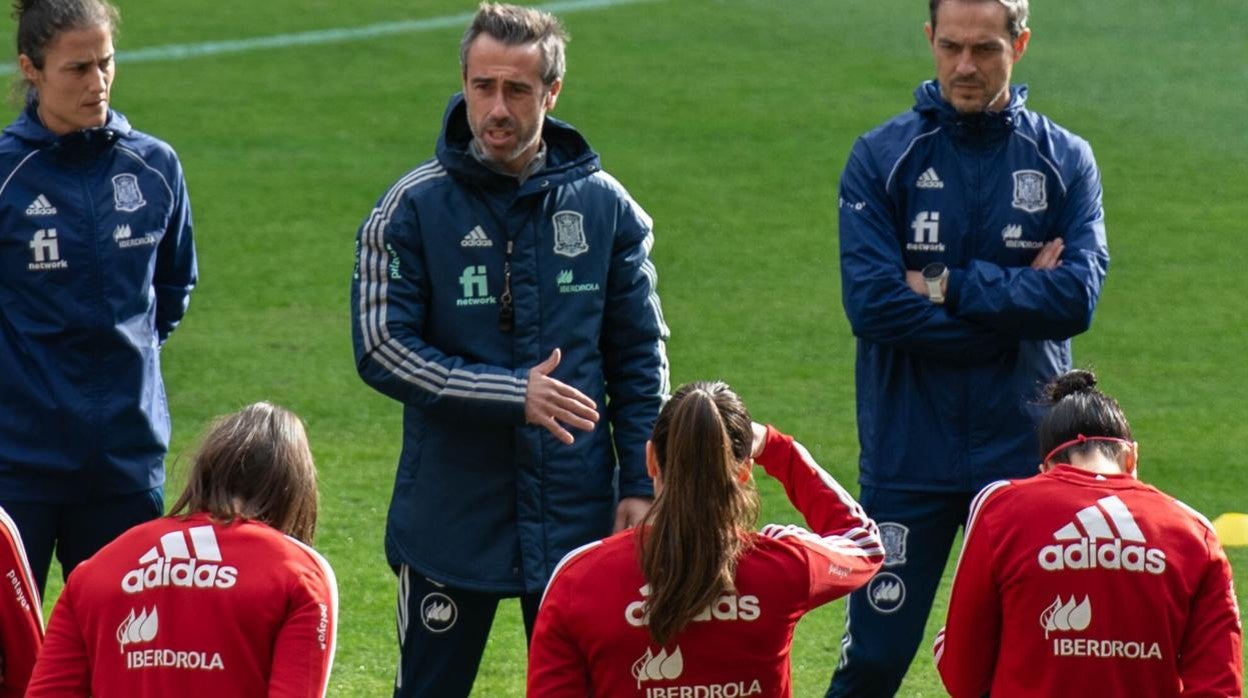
(694, 596)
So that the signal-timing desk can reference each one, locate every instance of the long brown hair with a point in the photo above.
(697, 529)
(255, 464)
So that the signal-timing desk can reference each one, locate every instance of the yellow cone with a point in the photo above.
(1232, 529)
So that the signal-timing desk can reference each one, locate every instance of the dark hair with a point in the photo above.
(697, 529)
(1078, 408)
(40, 22)
(255, 464)
(516, 26)
(1015, 14)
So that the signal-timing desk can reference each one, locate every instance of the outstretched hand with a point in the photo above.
(551, 404)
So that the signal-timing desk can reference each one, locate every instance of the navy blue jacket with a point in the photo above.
(482, 500)
(96, 267)
(947, 394)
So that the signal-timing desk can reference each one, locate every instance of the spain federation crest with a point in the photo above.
(570, 234)
(894, 537)
(1029, 191)
(126, 193)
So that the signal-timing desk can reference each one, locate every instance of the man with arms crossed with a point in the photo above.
(504, 294)
(972, 249)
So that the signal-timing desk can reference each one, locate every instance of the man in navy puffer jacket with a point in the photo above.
(504, 294)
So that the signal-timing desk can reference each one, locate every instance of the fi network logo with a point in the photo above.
(926, 227)
(46, 251)
(476, 286)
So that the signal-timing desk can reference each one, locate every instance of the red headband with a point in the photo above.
(1080, 440)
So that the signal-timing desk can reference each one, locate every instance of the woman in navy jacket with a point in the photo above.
(96, 266)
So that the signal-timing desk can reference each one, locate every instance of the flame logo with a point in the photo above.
(438, 612)
(658, 667)
(1066, 616)
(888, 591)
(135, 629)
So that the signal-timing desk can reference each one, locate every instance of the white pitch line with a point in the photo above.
(176, 52)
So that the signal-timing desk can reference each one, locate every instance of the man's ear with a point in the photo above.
(1020, 44)
(552, 93)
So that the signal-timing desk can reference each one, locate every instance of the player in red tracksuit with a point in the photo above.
(222, 598)
(613, 624)
(21, 618)
(1083, 581)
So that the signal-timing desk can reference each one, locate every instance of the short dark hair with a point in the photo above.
(40, 22)
(1015, 14)
(516, 26)
(1077, 408)
(255, 464)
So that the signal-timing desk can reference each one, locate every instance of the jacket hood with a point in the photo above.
(568, 155)
(930, 103)
(28, 127)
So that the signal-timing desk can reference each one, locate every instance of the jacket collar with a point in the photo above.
(84, 143)
(986, 127)
(1069, 473)
(568, 155)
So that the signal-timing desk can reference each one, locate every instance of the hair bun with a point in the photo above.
(1070, 383)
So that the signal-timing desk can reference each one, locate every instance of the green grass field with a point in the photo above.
(729, 121)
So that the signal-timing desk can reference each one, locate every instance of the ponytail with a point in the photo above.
(697, 529)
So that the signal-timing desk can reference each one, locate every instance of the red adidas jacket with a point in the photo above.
(1074, 584)
(188, 607)
(21, 617)
(591, 636)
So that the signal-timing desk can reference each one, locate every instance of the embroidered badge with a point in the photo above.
(886, 592)
(438, 612)
(894, 536)
(126, 193)
(1029, 191)
(570, 234)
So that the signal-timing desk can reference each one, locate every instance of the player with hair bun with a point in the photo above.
(694, 601)
(1083, 581)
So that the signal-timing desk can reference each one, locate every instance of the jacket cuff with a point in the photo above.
(953, 288)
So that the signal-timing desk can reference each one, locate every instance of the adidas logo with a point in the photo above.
(170, 563)
(122, 232)
(1012, 232)
(135, 629)
(1106, 536)
(41, 207)
(929, 180)
(476, 238)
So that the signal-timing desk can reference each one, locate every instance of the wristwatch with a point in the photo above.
(935, 274)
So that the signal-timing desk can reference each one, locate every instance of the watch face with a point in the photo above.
(934, 271)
